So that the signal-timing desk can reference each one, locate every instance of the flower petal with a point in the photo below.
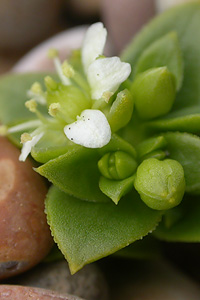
(91, 130)
(93, 44)
(27, 146)
(106, 74)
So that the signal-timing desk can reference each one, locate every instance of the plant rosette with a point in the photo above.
(118, 138)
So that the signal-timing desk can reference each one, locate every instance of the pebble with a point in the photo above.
(88, 283)
(12, 292)
(25, 235)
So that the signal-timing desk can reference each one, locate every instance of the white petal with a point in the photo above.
(93, 44)
(91, 130)
(106, 75)
(27, 146)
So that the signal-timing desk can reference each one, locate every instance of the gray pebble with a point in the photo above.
(88, 283)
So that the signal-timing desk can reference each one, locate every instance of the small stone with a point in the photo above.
(88, 283)
(25, 235)
(12, 292)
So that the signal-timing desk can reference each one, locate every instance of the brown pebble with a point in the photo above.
(12, 292)
(25, 235)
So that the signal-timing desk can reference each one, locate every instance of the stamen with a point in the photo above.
(31, 105)
(52, 53)
(106, 96)
(3, 130)
(68, 70)
(50, 83)
(36, 88)
(37, 93)
(54, 109)
(24, 126)
(25, 137)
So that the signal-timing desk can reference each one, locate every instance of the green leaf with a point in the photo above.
(185, 148)
(186, 119)
(87, 231)
(150, 145)
(115, 189)
(184, 225)
(13, 95)
(163, 52)
(76, 172)
(185, 20)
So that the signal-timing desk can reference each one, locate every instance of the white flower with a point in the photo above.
(103, 74)
(91, 129)
(27, 146)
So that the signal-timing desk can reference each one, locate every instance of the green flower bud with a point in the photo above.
(117, 165)
(121, 110)
(154, 93)
(161, 184)
(71, 99)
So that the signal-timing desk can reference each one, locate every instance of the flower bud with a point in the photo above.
(154, 93)
(117, 165)
(161, 184)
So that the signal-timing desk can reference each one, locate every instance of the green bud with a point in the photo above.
(161, 184)
(154, 93)
(121, 110)
(117, 165)
(71, 99)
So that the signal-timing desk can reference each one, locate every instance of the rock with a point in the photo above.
(123, 18)
(11, 292)
(163, 5)
(25, 23)
(88, 283)
(25, 235)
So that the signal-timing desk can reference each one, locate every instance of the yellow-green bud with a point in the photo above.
(117, 165)
(154, 93)
(161, 184)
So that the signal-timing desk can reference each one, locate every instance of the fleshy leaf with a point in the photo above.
(185, 148)
(76, 172)
(13, 90)
(185, 20)
(13, 95)
(186, 119)
(163, 52)
(115, 189)
(150, 145)
(185, 223)
(87, 231)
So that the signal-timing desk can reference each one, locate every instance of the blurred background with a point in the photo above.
(25, 24)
